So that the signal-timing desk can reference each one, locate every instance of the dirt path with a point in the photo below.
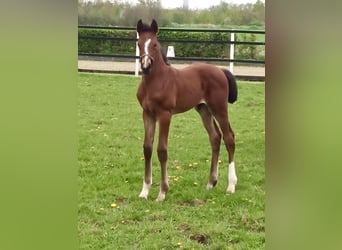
(129, 67)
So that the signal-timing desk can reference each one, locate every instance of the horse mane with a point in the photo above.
(164, 57)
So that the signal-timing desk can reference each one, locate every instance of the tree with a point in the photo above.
(125, 14)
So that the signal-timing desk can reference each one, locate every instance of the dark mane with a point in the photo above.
(164, 57)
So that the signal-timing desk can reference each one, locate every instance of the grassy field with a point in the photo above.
(110, 157)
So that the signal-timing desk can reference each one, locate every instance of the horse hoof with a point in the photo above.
(143, 195)
(145, 190)
(231, 189)
(161, 197)
(211, 185)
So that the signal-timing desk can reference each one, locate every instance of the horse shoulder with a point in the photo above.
(141, 93)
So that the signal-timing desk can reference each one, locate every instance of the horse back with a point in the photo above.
(210, 79)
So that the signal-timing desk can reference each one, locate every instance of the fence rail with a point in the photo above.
(232, 42)
(170, 40)
(112, 57)
(174, 29)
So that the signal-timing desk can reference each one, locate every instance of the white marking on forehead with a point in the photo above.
(146, 45)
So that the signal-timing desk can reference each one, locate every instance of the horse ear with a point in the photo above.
(154, 26)
(140, 25)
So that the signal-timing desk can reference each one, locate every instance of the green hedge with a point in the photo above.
(197, 49)
(104, 46)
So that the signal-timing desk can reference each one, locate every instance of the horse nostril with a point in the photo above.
(145, 68)
(146, 64)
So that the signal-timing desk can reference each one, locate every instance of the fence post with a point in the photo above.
(231, 57)
(137, 54)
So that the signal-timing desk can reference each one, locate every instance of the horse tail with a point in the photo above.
(233, 91)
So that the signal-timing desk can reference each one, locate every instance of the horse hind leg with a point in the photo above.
(232, 178)
(229, 141)
(215, 141)
(164, 124)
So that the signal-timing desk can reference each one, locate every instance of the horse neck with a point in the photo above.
(159, 67)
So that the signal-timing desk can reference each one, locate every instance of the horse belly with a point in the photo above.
(187, 101)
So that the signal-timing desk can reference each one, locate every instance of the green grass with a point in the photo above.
(110, 214)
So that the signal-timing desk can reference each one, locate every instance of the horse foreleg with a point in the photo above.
(164, 124)
(149, 126)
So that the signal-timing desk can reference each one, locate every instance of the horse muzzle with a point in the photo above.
(146, 62)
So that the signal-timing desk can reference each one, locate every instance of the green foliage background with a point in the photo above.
(126, 14)
(223, 16)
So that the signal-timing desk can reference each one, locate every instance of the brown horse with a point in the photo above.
(165, 91)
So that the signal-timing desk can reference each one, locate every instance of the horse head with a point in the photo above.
(148, 44)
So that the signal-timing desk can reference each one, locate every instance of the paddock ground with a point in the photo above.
(111, 168)
(256, 73)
